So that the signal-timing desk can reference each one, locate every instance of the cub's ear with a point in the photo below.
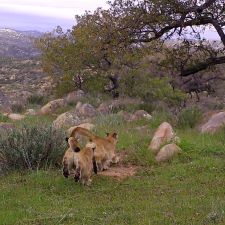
(77, 149)
(66, 139)
(107, 134)
(115, 135)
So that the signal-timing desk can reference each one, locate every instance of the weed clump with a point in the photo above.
(31, 147)
(188, 118)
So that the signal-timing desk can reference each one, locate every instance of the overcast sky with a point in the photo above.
(43, 14)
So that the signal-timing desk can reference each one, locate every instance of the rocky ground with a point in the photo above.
(21, 78)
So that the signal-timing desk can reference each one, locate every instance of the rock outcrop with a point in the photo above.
(74, 96)
(85, 110)
(214, 124)
(162, 135)
(52, 106)
(140, 114)
(66, 120)
(167, 152)
(15, 116)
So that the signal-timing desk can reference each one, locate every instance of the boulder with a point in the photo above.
(162, 135)
(125, 115)
(214, 124)
(167, 152)
(52, 106)
(115, 105)
(85, 110)
(140, 114)
(74, 96)
(15, 116)
(30, 112)
(66, 120)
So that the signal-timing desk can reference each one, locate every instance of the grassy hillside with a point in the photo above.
(188, 190)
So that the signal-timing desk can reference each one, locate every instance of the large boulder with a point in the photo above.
(52, 106)
(66, 120)
(116, 105)
(74, 96)
(214, 124)
(30, 112)
(162, 135)
(140, 114)
(125, 115)
(85, 110)
(167, 152)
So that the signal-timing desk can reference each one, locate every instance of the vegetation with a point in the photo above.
(189, 117)
(3, 118)
(129, 51)
(31, 147)
(17, 107)
(189, 190)
(36, 99)
(112, 44)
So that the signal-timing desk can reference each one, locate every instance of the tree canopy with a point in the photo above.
(130, 30)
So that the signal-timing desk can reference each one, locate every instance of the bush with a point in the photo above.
(17, 108)
(65, 86)
(3, 118)
(32, 147)
(188, 118)
(36, 99)
(141, 83)
(159, 117)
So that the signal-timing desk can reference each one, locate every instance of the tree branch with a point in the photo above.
(203, 65)
(219, 30)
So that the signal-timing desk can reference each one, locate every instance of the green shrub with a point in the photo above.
(36, 99)
(141, 83)
(17, 108)
(65, 86)
(159, 117)
(188, 118)
(32, 147)
(3, 118)
(95, 83)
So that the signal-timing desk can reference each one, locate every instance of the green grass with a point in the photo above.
(4, 118)
(189, 190)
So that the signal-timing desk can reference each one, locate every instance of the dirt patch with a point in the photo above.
(120, 172)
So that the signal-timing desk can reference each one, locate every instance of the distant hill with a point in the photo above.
(18, 44)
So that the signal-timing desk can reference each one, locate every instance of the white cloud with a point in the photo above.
(52, 8)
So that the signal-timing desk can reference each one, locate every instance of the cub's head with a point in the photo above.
(73, 143)
(112, 136)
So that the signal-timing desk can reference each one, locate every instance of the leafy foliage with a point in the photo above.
(118, 39)
(31, 147)
(188, 118)
(36, 99)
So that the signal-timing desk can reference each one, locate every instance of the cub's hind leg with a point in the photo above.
(77, 175)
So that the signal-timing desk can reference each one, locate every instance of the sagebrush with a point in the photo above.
(32, 147)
